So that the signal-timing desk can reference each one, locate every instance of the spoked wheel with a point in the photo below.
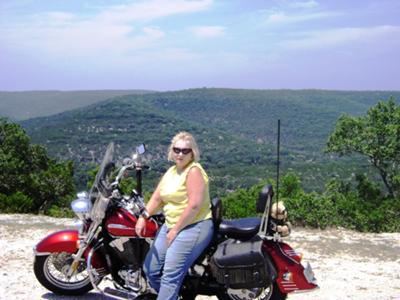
(188, 296)
(271, 292)
(51, 271)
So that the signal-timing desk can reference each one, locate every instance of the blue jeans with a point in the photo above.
(166, 267)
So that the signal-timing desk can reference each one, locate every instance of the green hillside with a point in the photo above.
(31, 104)
(306, 115)
(236, 130)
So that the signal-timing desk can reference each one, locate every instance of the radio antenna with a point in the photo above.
(278, 160)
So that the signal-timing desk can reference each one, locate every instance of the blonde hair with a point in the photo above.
(186, 136)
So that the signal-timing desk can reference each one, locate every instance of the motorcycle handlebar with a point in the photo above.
(144, 167)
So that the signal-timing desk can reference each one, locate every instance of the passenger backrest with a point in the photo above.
(216, 210)
(266, 194)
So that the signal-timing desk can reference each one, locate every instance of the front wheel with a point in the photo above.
(51, 271)
(271, 292)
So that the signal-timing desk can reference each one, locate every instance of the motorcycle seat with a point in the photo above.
(241, 229)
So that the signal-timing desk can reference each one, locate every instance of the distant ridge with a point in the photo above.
(31, 104)
(236, 130)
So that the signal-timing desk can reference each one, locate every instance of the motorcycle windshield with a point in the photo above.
(101, 183)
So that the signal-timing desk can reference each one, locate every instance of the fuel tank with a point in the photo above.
(122, 223)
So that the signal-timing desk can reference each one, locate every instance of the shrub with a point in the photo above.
(242, 202)
(15, 203)
(357, 205)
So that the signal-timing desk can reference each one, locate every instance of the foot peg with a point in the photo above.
(119, 294)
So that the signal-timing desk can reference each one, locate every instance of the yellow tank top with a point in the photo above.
(173, 192)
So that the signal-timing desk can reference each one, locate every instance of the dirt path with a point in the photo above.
(347, 264)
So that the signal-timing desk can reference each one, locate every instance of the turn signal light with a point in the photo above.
(300, 255)
(288, 276)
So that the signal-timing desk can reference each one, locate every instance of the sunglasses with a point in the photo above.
(184, 151)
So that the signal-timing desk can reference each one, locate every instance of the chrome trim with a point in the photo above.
(262, 232)
(89, 270)
(82, 194)
(305, 291)
(93, 231)
(286, 255)
(36, 253)
(308, 273)
(120, 294)
(288, 285)
(119, 243)
(81, 207)
(149, 240)
(119, 226)
(107, 291)
(291, 252)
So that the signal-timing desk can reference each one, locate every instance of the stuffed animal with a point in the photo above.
(278, 211)
(279, 218)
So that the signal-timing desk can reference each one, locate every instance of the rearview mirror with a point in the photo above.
(141, 149)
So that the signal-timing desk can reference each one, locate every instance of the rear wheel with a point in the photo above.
(271, 292)
(188, 296)
(51, 271)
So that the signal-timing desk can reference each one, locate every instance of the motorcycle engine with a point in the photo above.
(249, 294)
(133, 279)
(130, 252)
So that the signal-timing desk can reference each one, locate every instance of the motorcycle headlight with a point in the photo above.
(82, 206)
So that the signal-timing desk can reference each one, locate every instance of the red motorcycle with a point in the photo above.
(245, 260)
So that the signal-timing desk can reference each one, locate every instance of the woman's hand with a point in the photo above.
(140, 227)
(171, 235)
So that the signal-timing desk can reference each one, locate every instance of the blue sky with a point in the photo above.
(178, 44)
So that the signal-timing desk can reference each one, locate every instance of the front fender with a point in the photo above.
(60, 241)
(68, 241)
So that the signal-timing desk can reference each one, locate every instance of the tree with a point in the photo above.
(30, 181)
(291, 185)
(375, 135)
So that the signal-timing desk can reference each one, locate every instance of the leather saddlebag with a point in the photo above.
(238, 264)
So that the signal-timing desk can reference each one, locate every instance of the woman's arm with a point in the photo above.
(196, 187)
(155, 202)
(152, 207)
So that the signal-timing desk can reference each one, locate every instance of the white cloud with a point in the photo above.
(149, 10)
(114, 30)
(281, 17)
(288, 12)
(58, 17)
(304, 4)
(208, 31)
(340, 36)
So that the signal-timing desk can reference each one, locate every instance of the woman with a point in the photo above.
(184, 196)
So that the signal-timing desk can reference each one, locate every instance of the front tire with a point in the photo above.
(50, 271)
(271, 292)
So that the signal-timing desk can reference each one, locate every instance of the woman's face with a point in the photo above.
(182, 153)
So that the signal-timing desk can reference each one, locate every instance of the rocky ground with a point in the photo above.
(347, 264)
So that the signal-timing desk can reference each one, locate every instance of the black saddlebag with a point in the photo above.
(238, 264)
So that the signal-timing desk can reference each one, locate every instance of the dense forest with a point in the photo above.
(327, 181)
(236, 130)
(45, 103)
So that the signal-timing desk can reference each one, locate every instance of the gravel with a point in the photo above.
(347, 264)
